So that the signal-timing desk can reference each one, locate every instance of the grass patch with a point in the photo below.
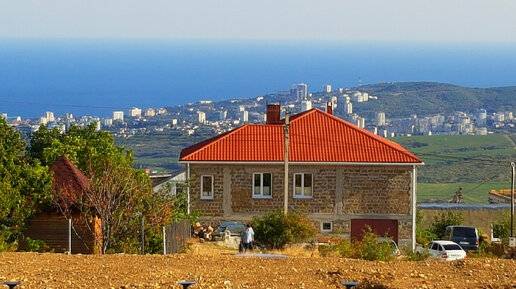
(472, 193)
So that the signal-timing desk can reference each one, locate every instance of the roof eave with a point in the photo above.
(304, 163)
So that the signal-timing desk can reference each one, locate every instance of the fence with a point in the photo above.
(176, 236)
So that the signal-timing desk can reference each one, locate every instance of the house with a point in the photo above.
(173, 184)
(52, 225)
(345, 178)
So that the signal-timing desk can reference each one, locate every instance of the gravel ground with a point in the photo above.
(224, 270)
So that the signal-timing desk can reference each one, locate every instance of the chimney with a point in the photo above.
(329, 107)
(273, 114)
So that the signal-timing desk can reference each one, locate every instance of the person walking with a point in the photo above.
(248, 238)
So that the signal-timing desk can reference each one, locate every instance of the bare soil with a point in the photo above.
(210, 267)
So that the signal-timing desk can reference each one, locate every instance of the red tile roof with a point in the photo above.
(315, 136)
(68, 177)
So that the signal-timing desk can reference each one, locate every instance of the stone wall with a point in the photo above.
(377, 190)
(340, 193)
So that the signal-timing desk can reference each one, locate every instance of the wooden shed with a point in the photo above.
(53, 226)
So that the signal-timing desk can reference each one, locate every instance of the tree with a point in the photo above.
(119, 195)
(23, 184)
(275, 229)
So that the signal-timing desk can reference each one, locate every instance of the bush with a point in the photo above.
(36, 245)
(502, 227)
(443, 220)
(275, 229)
(343, 248)
(370, 249)
(417, 256)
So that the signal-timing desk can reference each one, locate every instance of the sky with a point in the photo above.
(336, 20)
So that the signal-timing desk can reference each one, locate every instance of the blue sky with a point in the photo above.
(341, 20)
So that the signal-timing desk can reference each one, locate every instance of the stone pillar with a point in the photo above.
(226, 195)
(339, 191)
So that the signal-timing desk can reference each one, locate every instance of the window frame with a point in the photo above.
(260, 195)
(212, 191)
(326, 231)
(302, 196)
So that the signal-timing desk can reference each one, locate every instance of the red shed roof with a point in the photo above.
(68, 177)
(314, 136)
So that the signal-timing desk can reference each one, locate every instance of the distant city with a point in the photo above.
(223, 116)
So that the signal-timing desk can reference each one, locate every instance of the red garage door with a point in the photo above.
(381, 228)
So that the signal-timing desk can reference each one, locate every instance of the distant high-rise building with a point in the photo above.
(243, 116)
(327, 88)
(380, 118)
(299, 91)
(201, 117)
(118, 115)
(499, 117)
(43, 120)
(334, 102)
(97, 126)
(174, 121)
(361, 122)
(68, 116)
(49, 116)
(349, 108)
(150, 112)
(108, 122)
(4, 116)
(135, 112)
(223, 115)
(162, 111)
(306, 105)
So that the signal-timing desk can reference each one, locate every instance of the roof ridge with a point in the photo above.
(378, 138)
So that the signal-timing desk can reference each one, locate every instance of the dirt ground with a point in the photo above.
(210, 267)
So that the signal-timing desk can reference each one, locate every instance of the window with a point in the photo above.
(206, 187)
(327, 227)
(262, 185)
(302, 185)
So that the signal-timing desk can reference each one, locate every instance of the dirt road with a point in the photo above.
(224, 270)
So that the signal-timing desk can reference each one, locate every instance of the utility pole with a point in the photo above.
(285, 196)
(513, 165)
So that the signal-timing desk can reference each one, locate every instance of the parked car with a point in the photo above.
(445, 250)
(395, 250)
(466, 237)
(236, 229)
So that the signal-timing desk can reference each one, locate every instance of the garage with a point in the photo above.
(381, 227)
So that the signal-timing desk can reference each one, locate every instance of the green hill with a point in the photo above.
(475, 163)
(426, 98)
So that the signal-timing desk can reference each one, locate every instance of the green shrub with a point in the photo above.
(416, 256)
(441, 221)
(36, 245)
(275, 229)
(502, 227)
(343, 248)
(370, 249)
(423, 236)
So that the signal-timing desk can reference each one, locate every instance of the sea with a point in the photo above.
(98, 76)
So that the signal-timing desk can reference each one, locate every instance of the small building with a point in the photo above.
(52, 226)
(173, 184)
(345, 178)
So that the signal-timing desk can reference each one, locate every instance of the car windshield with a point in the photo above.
(451, 247)
(464, 232)
(231, 226)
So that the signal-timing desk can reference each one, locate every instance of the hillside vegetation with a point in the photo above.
(425, 98)
(475, 163)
